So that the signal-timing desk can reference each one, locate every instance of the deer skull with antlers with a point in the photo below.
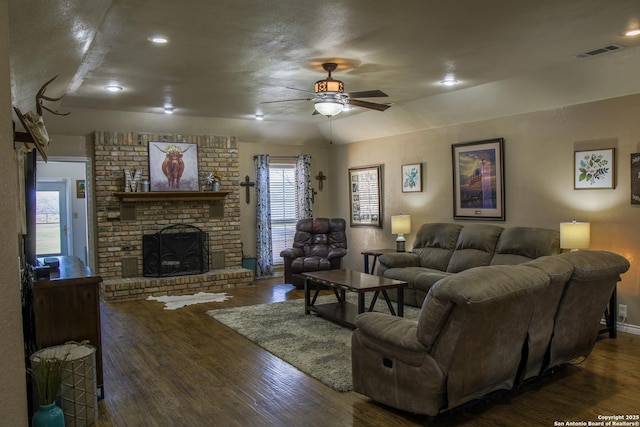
(40, 97)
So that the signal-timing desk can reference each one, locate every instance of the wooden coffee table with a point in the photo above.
(340, 281)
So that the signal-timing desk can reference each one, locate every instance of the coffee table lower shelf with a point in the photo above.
(343, 313)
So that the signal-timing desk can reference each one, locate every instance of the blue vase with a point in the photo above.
(48, 416)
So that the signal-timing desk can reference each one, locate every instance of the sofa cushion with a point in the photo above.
(475, 286)
(435, 243)
(521, 244)
(475, 247)
(312, 263)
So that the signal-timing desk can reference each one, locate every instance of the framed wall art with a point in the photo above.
(412, 178)
(594, 169)
(635, 179)
(364, 196)
(80, 189)
(173, 166)
(478, 180)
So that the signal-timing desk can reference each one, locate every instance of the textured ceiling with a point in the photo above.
(225, 58)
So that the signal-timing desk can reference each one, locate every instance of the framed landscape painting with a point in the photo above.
(478, 180)
(594, 169)
(173, 166)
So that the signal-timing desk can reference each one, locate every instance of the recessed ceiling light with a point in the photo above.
(631, 33)
(158, 39)
(449, 82)
(113, 88)
(259, 117)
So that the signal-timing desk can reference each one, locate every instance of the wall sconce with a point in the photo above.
(575, 235)
(400, 225)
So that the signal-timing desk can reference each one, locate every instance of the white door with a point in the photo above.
(51, 218)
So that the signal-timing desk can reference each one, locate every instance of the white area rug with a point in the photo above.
(171, 302)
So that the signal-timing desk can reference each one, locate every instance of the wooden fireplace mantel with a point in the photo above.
(129, 200)
(178, 196)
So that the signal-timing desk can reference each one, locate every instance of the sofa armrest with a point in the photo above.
(387, 330)
(292, 253)
(336, 253)
(399, 260)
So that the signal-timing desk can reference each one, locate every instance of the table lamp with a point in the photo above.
(575, 235)
(400, 225)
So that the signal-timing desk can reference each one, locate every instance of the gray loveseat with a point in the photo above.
(443, 249)
(485, 329)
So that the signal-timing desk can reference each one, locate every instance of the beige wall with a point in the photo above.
(319, 162)
(538, 154)
(13, 393)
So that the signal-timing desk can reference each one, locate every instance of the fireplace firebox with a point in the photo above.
(176, 250)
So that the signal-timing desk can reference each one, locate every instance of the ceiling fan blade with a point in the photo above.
(287, 100)
(301, 90)
(368, 94)
(371, 105)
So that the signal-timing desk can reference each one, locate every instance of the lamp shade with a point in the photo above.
(401, 224)
(575, 235)
(328, 108)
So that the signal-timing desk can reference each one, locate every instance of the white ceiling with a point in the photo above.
(226, 57)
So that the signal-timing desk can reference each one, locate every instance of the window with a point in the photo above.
(282, 188)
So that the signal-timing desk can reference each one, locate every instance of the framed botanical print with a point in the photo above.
(478, 180)
(412, 178)
(594, 169)
(365, 204)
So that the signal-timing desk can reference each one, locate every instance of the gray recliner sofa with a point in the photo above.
(485, 329)
(443, 249)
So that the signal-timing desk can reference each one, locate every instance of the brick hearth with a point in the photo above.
(142, 287)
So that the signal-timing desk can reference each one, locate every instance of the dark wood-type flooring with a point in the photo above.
(182, 368)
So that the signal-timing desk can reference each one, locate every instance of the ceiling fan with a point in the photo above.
(330, 99)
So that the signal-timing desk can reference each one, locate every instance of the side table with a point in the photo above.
(375, 253)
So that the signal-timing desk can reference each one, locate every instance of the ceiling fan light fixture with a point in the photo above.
(329, 85)
(328, 108)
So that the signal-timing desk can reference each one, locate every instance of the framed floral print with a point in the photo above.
(594, 169)
(412, 178)
(478, 180)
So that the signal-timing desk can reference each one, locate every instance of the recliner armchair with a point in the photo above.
(319, 244)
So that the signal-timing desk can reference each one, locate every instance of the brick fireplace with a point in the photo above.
(122, 221)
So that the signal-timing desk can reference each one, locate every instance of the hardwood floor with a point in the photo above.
(182, 368)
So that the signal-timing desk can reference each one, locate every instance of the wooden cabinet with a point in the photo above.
(66, 307)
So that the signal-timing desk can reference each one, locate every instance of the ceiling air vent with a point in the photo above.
(600, 51)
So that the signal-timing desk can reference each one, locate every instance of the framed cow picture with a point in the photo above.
(173, 166)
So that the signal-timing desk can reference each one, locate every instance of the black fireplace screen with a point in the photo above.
(176, 250)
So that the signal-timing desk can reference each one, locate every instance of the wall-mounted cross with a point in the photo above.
(246, 184)
(320, 177)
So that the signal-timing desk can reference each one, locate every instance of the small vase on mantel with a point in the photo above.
(216, 186)
(48, 416)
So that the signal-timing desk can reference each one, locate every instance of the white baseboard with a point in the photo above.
(626, 327)
(631, 329)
